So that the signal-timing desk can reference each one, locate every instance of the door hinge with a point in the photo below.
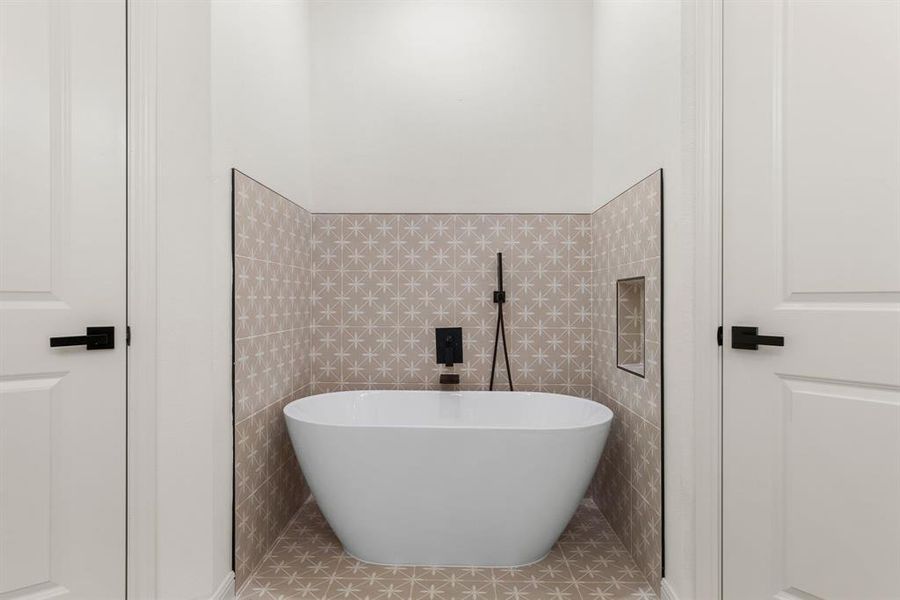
(128, 335)
(719, 335)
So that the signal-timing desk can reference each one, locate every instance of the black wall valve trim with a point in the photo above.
(747, 338)
(448, 345)
(95, 338)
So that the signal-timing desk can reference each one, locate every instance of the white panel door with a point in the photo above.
(811, 496)
(62, 269)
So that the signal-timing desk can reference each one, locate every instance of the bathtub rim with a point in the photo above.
(605, 411)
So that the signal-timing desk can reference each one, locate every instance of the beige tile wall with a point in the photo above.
(381, 283)
(271, 363)
(350, 301)
(626, 243)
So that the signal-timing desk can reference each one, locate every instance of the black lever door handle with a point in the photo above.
(746, 338)
(96, 338)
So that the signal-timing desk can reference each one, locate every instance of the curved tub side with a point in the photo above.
(447, 496)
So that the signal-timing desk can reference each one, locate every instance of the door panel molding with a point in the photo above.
(804, 118)
(35, 206)
(820, 478)
(25, 430)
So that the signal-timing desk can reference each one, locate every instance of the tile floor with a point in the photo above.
(307, 563)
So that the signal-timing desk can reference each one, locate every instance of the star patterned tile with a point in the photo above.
(272, 343)
(307, 562)
(625, 320)
(388, 277)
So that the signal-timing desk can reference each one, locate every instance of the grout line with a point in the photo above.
(269, 405)
(262, 335)
(273, 262)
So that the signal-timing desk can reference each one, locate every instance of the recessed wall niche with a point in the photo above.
(630, 325)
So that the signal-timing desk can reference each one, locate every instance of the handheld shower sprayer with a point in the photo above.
(500, 300)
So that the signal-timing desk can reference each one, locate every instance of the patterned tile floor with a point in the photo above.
(307, 563)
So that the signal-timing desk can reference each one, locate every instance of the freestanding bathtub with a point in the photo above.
(447, 478)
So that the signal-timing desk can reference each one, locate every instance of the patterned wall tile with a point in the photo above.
(581, 292)
(645, 541)
(541, 243)
(273, 257)
(371, 242)
(645, 460)
(427, 242)
(581, 355)
(248, 475)
(477, 239)
(370, 298)
(250, 536)
(327, 242)
(626, 235)
(474, 308)
(580, 255)
(251, 225)
(325, 298)
(652, 298)
(250, 281)
(404, 275)
(540, 299)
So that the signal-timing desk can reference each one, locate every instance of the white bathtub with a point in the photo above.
(447, 478)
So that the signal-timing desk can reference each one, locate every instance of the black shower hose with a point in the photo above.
(499, 299)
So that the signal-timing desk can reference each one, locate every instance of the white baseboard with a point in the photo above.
(225, 591)
(666, 591)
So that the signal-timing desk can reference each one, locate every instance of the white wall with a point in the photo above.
(232, 90)
(478, 106)
(637, 103)
(190, 526)
(261, 94)
(638, 109)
